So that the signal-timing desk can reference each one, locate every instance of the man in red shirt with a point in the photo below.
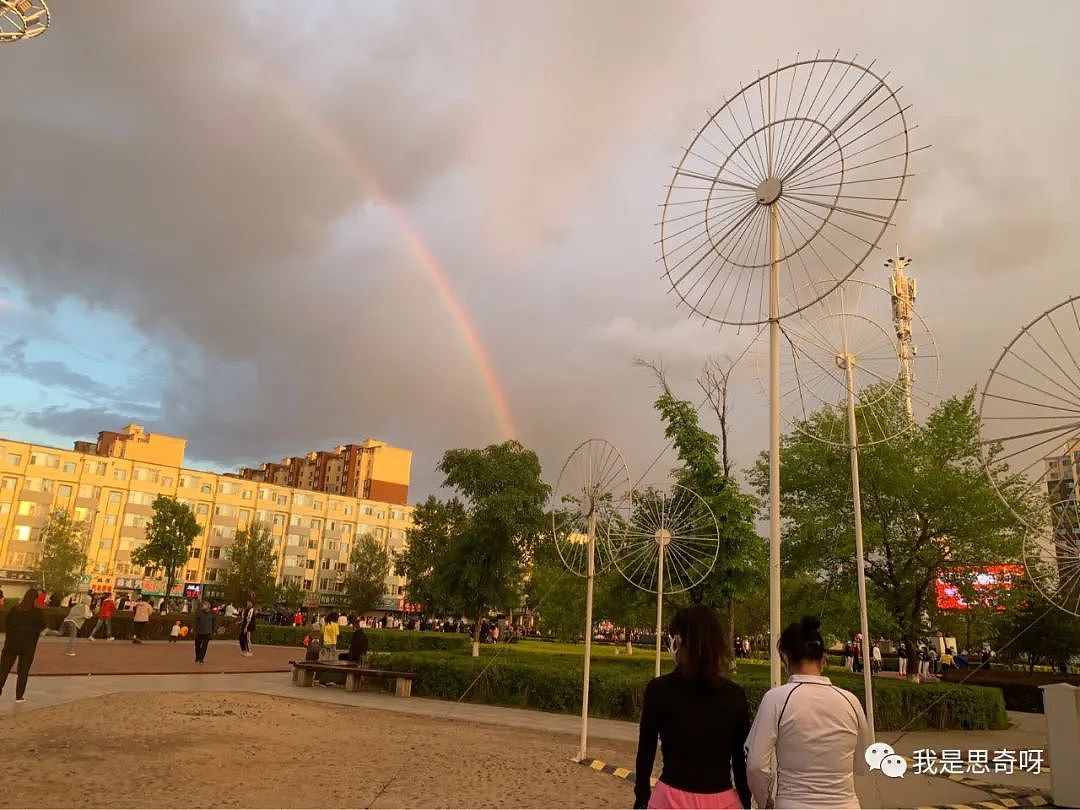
(40, 601)
(105, 614)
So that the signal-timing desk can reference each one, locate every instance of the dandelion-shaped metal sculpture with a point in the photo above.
(22, 19)
(848, 382)
(793, 180)
(1029, 418)
(669, 547)
(591, 505)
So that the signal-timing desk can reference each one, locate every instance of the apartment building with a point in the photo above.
(371, 470)
(111, 485)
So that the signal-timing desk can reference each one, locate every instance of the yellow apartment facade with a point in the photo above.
(111, 484)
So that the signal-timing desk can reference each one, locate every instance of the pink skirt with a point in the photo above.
(665, 797)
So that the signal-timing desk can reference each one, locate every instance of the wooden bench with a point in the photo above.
(304, 675)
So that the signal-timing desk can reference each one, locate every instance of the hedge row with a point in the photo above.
(378, 640)
(1020, 690)
(616, 690)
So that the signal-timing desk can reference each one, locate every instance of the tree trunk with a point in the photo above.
(476, 635)
(730, 623)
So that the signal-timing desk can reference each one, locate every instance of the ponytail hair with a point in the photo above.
(802, 641)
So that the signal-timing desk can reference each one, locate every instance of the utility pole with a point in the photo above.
(902, 287)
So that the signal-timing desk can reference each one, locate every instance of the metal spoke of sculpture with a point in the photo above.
(22, 19)
(851, 383)
(1029, 418)
(590, 509)
(791, 183)
(669, 547)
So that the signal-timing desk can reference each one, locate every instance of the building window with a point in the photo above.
(22, 533)
(213, 553)
(69, 467)
(348, 509)
(307, 584)
(104, 545)
(167, 481)
(316, 524)
(246, 494)
(211, 575)
(206, 489)
(264, 494)
(110, 520)
(27, 508)
(114, 496)
(282, 500)
(279, 519)
(325, 565)
(14, 459)
(8, 483)
(202, 509)
(317, 505)
(190, 574)
(245, 515)
(309, 564)
(196, 553)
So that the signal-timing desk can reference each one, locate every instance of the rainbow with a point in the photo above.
(336, 145)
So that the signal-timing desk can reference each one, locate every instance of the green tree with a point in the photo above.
(169, 536)
(625, 605)
(365, 581)
(63, 556)
(927, 506)
(556, 595)
(290, 595)
(252, 566)
(705, 470)
(1037, 631)
(434, 524)
(504, 517)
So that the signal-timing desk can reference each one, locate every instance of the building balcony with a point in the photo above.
(36, 495)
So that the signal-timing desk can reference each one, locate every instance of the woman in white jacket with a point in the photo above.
(808, 734)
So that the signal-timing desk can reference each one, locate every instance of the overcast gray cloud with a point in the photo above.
(211, 183)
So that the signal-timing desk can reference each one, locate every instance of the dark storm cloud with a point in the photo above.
(201, 181)
(86, 423)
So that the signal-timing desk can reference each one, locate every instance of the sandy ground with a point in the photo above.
(245, 750)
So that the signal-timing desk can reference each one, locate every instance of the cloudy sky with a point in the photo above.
(272, 231)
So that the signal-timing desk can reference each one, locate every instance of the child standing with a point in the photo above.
(174, 633)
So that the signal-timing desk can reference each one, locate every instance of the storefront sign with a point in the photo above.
(18, 576)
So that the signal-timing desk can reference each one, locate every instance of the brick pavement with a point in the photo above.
(156, 658)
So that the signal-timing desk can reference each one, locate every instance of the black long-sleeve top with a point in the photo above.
(23, 628)
(702, 731)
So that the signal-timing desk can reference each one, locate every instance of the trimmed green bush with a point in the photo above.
(378, 640)
(1020, 689)
(617, 685)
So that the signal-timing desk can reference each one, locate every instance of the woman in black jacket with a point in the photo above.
(23, 628)
(702, 720)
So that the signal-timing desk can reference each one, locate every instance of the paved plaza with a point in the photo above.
(160, 667)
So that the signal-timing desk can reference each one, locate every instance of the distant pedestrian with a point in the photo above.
(105, 614)
(40, 599)
(72, 624)
(141, 623)
(902, 652)
(875, 659)
(330, 631)
(21, 633)
(205, 619)
(298, 619)
(247, 625)
(174, 632)
(849, 656)
(1, 596)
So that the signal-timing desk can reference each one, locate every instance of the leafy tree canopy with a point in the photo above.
(169, 536)
(927, 506)
(63, 559)
(365, 581)
(252, 566)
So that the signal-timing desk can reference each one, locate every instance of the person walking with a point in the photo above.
(105, 614)
(875, 658)
(23, 628)
(72, 624)
(141, 620)
(849, 656)
(205, 619)
(701, 719)
(808, 734)
(902, 654)
(247, 625)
